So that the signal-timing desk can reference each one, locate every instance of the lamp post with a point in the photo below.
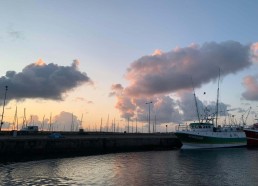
(6, 88)
(148, 103)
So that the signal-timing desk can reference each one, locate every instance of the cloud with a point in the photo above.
(157, 52)
(251, 85)
(251, 82)
(166, 110)
(154, 77)
(254, 52)
(41, 80)
(14, 34)
(205, 109)
(172, 71)
(116, 90)
(162, 107)
(66, 121)
(82, 99)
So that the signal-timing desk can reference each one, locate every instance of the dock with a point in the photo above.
(42, 145)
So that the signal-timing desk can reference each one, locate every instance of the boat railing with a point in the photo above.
(182, 127)
(235, 128)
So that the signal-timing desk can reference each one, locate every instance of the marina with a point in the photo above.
(128, 93)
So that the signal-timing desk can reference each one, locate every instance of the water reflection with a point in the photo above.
(195, 167)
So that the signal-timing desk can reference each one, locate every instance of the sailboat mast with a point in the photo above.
(43, 123)
(15, 118)
(217, 103)
(81, 122)
(72, 124)
(6, 88)
(195, 100)
(24, 122)
(100, 129)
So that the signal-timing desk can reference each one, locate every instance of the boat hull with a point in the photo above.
(252, 137)
(198, 140)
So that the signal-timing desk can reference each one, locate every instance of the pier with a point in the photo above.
(22, 147)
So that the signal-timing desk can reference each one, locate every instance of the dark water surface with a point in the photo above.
(179, 167)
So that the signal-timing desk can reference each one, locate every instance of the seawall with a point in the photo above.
(40, 146)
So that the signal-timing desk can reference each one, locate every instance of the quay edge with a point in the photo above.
(23, 147)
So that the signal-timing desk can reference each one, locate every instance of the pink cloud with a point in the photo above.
(172, 71)
(40, 62)
(254, 52)
(154, 77)
(251, 85)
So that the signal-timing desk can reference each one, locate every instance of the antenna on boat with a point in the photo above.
(217, 103)
(195, 100)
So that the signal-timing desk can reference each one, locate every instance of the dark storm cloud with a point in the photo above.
(40, 80)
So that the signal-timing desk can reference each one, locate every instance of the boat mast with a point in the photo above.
(6, 88)
(195, 100)
(15, 118)
(100, 129)
(43, 123)
(217, 103)
(72, 124)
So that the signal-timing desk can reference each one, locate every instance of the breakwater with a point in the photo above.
(20, 146)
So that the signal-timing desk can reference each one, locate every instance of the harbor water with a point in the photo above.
(238, 166)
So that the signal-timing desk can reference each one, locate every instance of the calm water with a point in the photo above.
(188, 167)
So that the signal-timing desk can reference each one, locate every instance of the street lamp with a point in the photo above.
(148, 103)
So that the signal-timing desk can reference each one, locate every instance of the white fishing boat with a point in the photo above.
(207, 134)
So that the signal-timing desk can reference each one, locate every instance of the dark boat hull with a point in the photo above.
(252, 137)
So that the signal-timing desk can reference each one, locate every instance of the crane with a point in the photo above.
(248, 112)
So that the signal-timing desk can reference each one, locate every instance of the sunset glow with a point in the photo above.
(89, 62)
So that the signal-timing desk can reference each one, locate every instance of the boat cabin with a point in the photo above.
(255, 125)
(30, 129)
(201, 126)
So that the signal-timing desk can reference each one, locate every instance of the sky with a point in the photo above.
(103, 63)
